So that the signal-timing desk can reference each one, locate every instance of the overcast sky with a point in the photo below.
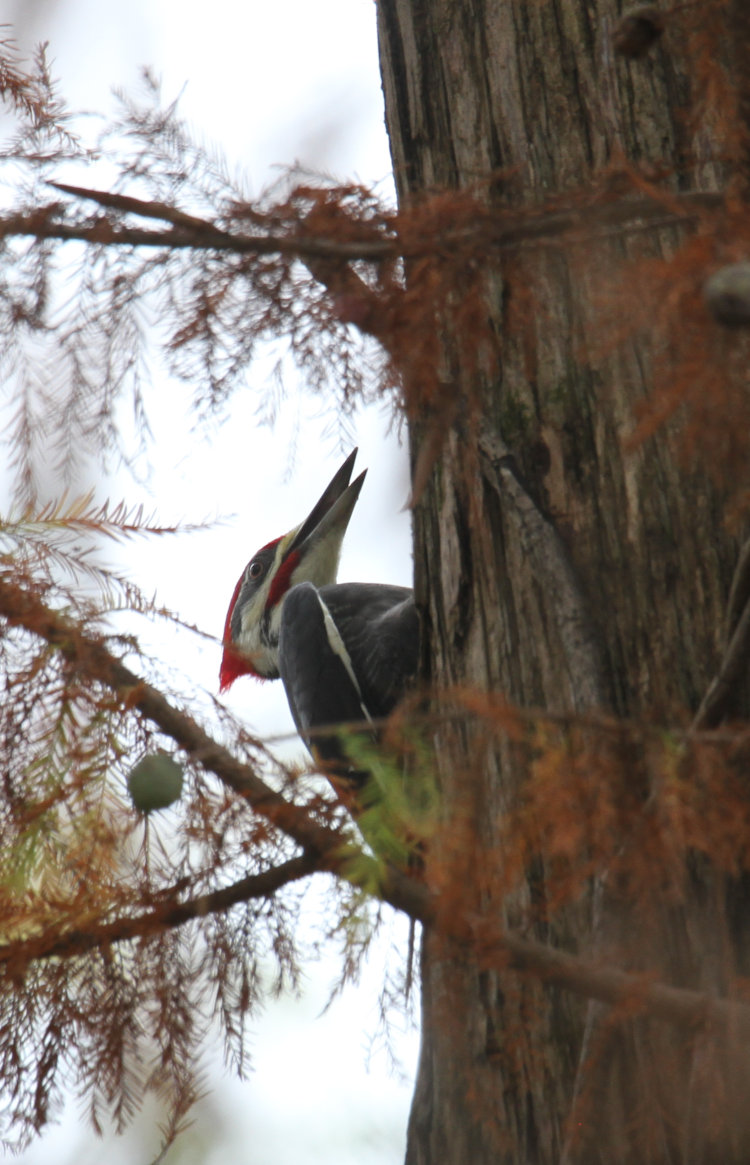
(270, 84)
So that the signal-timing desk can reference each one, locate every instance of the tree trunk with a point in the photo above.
(554, 567)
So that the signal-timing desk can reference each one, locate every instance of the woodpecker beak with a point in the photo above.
(322, 532)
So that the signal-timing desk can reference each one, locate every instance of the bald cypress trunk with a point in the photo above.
(558, 568)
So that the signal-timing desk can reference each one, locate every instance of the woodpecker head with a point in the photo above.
(309, 553)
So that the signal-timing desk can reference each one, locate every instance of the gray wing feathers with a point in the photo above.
(380, 628)
(346, 651)
(318, 686)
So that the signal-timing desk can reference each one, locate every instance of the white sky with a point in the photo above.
(270, 84)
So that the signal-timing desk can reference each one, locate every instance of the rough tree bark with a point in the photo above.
(553, 566)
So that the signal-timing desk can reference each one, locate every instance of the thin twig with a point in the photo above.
(147, 209)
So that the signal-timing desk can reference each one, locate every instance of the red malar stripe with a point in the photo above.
(280, 584)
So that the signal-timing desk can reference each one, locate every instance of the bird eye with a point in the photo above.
(255, 569)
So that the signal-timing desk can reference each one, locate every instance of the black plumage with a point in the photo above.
(347, 653)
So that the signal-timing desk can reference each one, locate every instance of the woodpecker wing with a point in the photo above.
(379, 627)
(346, 653)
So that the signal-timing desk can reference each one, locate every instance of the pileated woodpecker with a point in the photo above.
(345, 651)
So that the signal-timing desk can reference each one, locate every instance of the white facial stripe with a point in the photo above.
(253, 637)
(258, 632)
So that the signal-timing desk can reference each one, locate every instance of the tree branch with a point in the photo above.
(43, 224)
(324, 850)
(21, 607)
(68, 943)
(502, 229)
(634, 992)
